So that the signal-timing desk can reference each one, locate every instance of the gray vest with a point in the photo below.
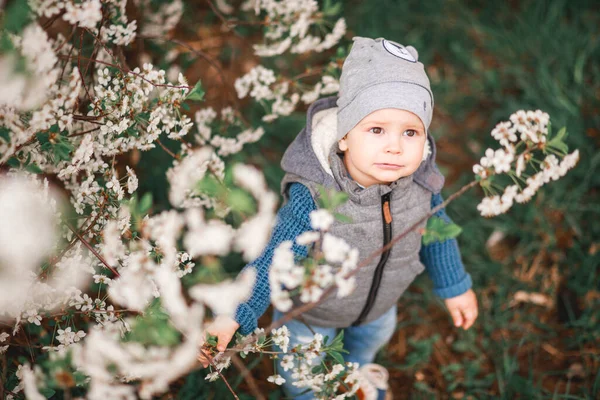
(408, 199)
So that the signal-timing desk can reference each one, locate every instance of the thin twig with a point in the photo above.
(312, 71)
(132, 73)
(79, 65)
(19, 147)
(175, 156)
(301, 319)
(97, 39)
(90, 248)
(49, 23)
(93, 311)
(62, 72)
(209, 358)
(122, 59)
(57, 258)
(245, 372)
(84, 132)
(28, 345)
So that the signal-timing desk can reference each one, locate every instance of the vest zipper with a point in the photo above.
(386, 216)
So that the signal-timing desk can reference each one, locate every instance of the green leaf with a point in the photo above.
(338, 342)
(47, 392)
(197, 93)
(132, 203)
(13, 162)
(62, 151)
(211, 339)
(241, 201)
(342, 218)
(330, 199)
(6, 44)
(438, 230)
(145, 203)
(34, 169)
(339, 198)
(16, 16)
(42, 137)
(331, 10)
(210, 186)
(5, 134)
(261, 340)
(323, 198)
(154, 328)
(337, 357)
(317, 369)
(557, 141)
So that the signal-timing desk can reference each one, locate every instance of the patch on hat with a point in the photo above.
(398, 50)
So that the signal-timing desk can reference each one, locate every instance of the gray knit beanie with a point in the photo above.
(380, 73)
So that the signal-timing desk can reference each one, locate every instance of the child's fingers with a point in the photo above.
(470, 317)
(456, 316)
(223, 340)
(202, 357)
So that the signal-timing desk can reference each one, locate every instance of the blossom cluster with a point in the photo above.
(522, 138)
(329, 266)
(158, 21)
(64, 118)
(289, 25)
(207, 123)
(261, 84)
(325, 383)
(88, 15)
(307, 362)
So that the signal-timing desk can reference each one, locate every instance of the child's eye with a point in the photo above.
(412, 132)
(376, 132)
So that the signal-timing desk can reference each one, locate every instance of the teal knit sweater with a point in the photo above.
(442, 260)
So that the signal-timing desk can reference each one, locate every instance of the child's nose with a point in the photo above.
(394, 144)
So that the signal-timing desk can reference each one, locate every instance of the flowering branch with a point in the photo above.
(90, 248)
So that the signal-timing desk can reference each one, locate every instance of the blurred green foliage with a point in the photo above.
(485, 61)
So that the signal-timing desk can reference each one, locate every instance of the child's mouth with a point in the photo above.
(389, 166)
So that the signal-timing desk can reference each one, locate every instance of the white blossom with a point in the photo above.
(308, 237)
(281, 337)
(132, 180)
(85, 15)
(276, 379)
(224, 297)
(321, 219)
(335, 248)
(345, 286)
(287, 362)
(67, 337)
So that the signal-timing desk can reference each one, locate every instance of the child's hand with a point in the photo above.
(223, 328)
(463, 309)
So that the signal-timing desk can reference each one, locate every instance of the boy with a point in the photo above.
(372, 142)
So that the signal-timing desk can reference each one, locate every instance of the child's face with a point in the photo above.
(384, 146)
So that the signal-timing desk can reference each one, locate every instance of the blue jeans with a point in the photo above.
(363, 342)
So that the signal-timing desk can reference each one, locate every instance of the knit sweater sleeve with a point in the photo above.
(443, 262)
(292, 220)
